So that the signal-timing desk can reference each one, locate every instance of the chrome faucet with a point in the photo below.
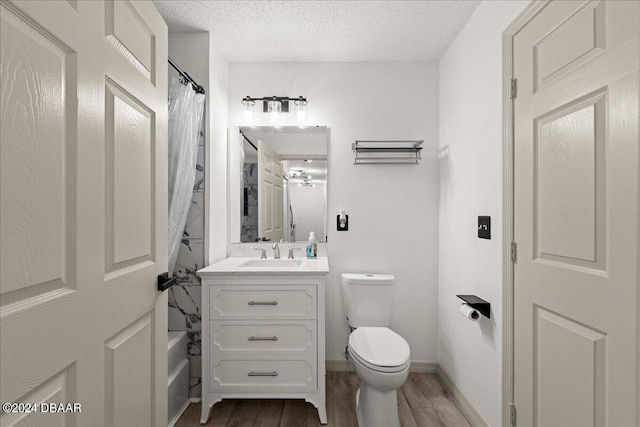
(276, 251)
(291, 252)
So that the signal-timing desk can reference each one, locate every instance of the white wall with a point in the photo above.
(217, 224)
(309, 141)
(471, 185)
(393, 213)
(307, 204)
(186, 49)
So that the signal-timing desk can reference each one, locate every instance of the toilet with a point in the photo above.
(380, 357)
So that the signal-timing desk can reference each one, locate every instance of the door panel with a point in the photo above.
(35, 248)
(580, 37)
(83, 221)
(130, 35)
(57, 389)
(571, 355)
(576, 173)
(129, 149)
(128, 372)
(270, 187)
(569, 145)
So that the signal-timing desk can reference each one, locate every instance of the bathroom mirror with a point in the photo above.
(277, 183)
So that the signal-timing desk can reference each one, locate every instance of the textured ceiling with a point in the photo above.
(308, 31)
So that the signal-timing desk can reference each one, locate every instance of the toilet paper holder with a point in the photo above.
(477, 303)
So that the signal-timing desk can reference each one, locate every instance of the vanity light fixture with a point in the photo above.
(275, 105)
(306, 183)
(300, 174)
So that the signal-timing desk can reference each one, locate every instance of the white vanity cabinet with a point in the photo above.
(263, 335)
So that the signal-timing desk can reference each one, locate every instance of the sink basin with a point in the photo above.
(271, 263)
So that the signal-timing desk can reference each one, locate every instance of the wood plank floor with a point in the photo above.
(422, 401)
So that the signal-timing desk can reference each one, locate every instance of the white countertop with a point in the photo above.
(231, 265)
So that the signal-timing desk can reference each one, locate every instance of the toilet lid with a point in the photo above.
(379, 346)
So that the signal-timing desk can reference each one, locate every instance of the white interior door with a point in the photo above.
(270, 221)
(576, 157)
(83, 211)
(236, 184)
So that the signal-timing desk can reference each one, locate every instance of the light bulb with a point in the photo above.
(274, 107)
(247, 110)
(300, 106)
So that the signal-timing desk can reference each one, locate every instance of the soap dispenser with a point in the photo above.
(312, 247)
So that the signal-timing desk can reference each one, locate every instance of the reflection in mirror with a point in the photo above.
(279, 177)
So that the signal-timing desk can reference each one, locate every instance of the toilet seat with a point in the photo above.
(376, 368)
(379, 349)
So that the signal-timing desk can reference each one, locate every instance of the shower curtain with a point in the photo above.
(186, 108)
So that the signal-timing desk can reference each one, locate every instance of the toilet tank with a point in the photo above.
(367, 298)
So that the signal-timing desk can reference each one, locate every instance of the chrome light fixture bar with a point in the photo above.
(280, 104)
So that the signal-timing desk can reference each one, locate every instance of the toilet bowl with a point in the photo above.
(381, 359)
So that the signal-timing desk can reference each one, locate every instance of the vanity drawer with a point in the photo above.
(263, 339)
(263, 376)
(261, 302)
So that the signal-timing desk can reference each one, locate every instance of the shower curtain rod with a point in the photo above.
(249, 141)
(187, 77)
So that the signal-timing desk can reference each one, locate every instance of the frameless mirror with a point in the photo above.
(277, 183)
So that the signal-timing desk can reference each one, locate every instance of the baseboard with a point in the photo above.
(417, 367)
(180, 412)
(424, 367)
(339, 366)
(467, 408)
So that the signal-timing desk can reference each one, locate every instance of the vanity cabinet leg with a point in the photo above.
(322, 413)
(206, 412)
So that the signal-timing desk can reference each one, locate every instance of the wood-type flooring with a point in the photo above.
(422, 402)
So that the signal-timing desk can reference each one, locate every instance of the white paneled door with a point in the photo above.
(576, 172)
(270, 182)
(83, 213)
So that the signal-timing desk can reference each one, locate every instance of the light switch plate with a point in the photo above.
(484, 227)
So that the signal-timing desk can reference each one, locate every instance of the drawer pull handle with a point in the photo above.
(273, 338)
(263, 374)
(263, 303)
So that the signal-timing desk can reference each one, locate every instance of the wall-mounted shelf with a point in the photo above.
(477, 303)
(386, 152)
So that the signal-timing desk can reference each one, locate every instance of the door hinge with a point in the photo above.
(513, 251)
(514, 414)
(514, 88)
